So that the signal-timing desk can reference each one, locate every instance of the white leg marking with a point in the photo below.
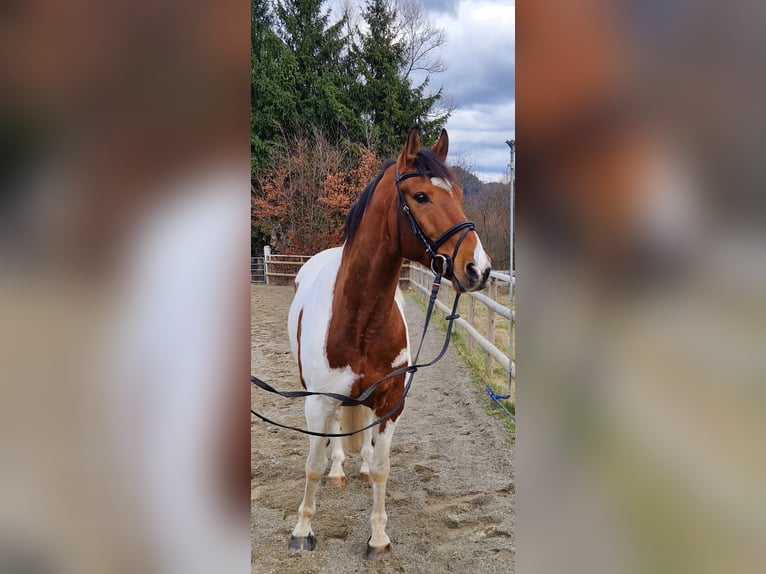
(338, 456)
(379, 469)
(318, 412)
(366, 444)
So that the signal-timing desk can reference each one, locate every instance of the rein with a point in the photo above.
(444, 270)
(411, 369)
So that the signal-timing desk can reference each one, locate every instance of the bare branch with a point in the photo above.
(350, 11)
(421, 38)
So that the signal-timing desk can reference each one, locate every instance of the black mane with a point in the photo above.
(427, 163)
(431, 165)
(354, 215)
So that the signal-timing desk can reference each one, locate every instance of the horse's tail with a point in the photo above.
(352, 419)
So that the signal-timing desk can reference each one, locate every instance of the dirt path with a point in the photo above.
(449, 496)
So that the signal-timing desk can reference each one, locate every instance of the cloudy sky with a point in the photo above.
(480, 79)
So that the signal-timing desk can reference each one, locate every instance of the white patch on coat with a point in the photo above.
(316, 285)
(442, 183)
(399, 300)
(401, 358)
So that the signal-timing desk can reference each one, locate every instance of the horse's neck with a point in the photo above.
(368, 279)
(366, 287)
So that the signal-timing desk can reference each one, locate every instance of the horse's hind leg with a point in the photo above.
(364, 471)
(336, 477)
(379, 543)
(318, 411)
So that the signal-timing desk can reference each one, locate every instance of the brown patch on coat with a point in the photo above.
(298, 336)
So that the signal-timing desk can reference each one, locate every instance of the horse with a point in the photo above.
(346, 322)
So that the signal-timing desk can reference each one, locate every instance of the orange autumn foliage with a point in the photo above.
(303, 197)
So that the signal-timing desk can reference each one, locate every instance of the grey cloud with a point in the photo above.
(479, 132)
(486, 81)
(479, 80)
(487, 151)
(480, 58)
(498, 118)
(442, 6)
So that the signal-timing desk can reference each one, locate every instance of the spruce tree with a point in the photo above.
(322, 83)
(386, 98)
(273, 75)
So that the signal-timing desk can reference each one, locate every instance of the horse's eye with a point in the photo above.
(421, 197)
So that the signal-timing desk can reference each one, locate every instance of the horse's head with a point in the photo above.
(432, 228)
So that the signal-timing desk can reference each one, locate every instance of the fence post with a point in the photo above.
(492, 293)
(470, 321)
(266, 255)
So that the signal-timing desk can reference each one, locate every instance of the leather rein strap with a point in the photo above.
(444, 270)
(352, 401)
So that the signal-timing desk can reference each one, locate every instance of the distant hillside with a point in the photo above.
(468, 181)
(487, 205)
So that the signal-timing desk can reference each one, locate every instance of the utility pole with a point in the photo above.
(512, 273)
(512, 165)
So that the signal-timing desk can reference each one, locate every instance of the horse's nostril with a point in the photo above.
(470, 270)
(485, 275)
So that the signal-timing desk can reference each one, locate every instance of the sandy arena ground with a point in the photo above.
(450, 492)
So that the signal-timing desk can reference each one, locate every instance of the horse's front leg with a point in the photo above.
(318, 413)
(379, 543)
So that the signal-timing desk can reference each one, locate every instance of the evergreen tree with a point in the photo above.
(324, 76)
(273, 75)
(386, 99)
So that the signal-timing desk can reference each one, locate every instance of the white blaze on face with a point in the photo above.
(442, 183)
(480, 259)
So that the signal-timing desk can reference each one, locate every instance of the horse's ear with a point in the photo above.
(442, 145)
(410, 150)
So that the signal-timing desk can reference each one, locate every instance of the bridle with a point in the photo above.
(447, 262)
(445, 269)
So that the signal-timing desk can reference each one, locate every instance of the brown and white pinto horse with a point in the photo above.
(346, 323)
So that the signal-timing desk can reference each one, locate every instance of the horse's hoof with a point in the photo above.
(300, 543)
(364, 477)
(372, 553)
(336, 481)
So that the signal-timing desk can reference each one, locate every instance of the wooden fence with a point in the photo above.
(282, 269)
(421, 280)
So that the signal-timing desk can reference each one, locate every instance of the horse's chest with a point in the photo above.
(371, 349)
